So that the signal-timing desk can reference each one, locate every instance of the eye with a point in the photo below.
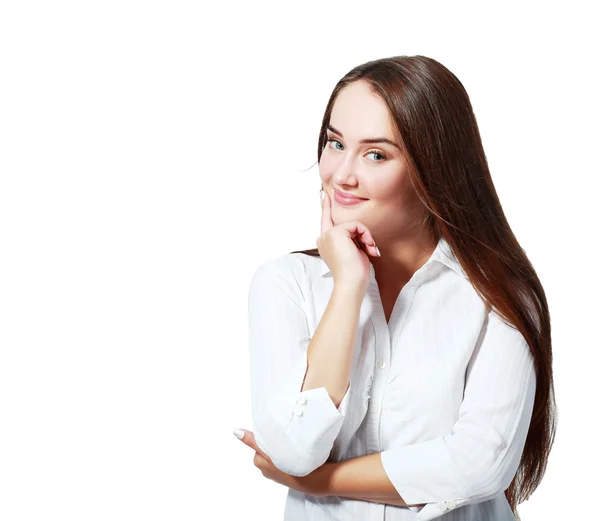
(377, 152)
(330, 140)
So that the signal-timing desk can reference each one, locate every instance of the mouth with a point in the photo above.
(345, 199)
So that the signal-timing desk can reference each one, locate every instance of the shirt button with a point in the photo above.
(451, 504)
(302, 400)
(382, 363)
(298, 410)
(444, 506)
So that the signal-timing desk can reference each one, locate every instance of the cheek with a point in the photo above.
(385, 189)
(326, 167)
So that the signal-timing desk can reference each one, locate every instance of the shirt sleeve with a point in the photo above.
(295, 429)
(479, 458)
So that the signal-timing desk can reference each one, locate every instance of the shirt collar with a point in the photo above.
(443, 253)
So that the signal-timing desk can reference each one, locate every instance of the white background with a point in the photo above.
(153, 154)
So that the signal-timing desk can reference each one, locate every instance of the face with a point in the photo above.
(374, 171)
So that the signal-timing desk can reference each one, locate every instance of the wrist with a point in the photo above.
(348, 291)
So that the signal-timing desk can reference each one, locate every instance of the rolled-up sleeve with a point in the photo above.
(479, 458)
(295, 428)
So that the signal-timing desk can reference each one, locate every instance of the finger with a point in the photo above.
(369, 250)
(361, 236)
(250, 440)
(326, 222)
(360, 245)
(258, 460)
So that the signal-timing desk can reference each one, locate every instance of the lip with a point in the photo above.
(344, 199)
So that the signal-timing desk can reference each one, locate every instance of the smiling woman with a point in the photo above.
(416, 383)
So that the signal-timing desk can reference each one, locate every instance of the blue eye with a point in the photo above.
(377, 152)
(333, 141)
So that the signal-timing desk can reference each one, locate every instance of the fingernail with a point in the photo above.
(378, 252)
(238, 433)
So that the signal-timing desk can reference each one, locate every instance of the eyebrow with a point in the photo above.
(369, 140)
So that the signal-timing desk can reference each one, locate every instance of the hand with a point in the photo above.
(308, 484)
(342, 245)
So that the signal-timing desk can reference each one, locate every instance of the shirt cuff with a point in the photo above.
(409, 467)
(343, 407)
(297, 429)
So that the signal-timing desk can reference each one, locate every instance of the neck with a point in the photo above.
(401, 258)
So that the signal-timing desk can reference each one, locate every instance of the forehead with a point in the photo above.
(358, 113)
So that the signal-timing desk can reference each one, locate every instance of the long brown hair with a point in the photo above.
(437, 130)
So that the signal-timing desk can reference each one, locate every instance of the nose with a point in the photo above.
(344, 172)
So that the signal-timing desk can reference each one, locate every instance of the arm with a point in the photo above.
(296, 427)
(474, 462)
(362, 478)
(479, 457)
(331, 349)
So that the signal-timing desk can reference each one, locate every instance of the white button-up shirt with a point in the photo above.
(445, 392)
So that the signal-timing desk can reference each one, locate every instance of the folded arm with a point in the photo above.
(478, 458)
(362, 478)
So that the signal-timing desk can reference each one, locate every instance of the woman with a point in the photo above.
(403, 369)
